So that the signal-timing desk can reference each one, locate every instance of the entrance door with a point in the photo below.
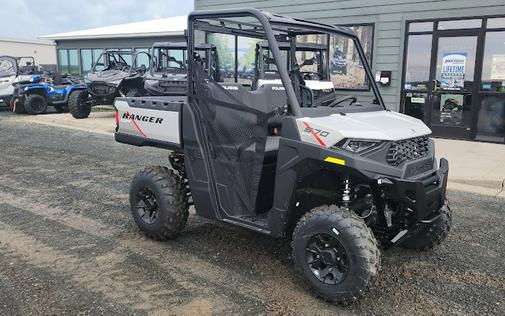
(455, 84)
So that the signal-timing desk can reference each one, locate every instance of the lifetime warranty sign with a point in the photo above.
(453, 71)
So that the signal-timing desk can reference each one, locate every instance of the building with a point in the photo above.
(41, 50)
(78, 51)
(445, 59)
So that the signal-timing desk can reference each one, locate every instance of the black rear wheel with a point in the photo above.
(159, 202)
(35, 104)
(335, 254)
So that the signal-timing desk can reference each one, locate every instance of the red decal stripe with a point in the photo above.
(136, 126)
(319, 140)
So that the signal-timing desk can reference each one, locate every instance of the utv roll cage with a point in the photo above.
(270, 27)
(29, 68)
(157, 58)
(113, 59)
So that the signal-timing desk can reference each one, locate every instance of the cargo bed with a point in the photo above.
(150, 121)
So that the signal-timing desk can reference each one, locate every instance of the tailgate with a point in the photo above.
(149, 121)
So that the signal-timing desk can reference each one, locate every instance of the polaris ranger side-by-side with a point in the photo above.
(338, 179)
(113, 74)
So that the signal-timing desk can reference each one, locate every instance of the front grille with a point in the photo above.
(407, 150)
(99, 88)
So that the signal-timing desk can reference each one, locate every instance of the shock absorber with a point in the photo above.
(346, 193)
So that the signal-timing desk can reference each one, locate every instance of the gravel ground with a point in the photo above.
(68, 245)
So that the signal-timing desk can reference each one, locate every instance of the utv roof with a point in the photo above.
(287, 45)
(170, 45)
(280, 22)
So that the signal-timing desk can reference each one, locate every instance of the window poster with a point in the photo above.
(453, 71)
(451, 109)
(498, 67)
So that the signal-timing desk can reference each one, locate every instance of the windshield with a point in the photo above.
(170, 60)
(323, 55)
(26, 65)
(114, 60)
(311, 63)
(7, 67)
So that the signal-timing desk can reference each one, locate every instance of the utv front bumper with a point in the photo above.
(422, 196)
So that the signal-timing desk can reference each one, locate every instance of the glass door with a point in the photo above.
(491, 110)
(454, 84)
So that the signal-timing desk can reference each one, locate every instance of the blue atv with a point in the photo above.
(37, 95)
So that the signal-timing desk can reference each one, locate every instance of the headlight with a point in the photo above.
(359, 146)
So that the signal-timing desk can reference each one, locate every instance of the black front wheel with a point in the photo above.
(431, 234)
(335, 254)
(159, 202)
(35, 104)
(78, 104)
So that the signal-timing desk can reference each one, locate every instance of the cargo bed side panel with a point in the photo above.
(149, 121)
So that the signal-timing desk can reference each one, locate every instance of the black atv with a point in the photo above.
(111, 76)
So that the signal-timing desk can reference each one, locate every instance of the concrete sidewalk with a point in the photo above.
(474, 167)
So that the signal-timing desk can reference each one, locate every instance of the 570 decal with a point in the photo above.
(316, 131)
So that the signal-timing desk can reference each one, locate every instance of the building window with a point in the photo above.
(68, 61)
(346, 70)
(493, 67)
(459, 24)
(73, 61)
(63, 61)
(142, 58)
(127, 57)
(86, 60)
(417, 71)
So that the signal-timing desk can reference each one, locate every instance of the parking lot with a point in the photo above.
(68, 245)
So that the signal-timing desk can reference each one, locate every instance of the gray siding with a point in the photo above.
(389, 17)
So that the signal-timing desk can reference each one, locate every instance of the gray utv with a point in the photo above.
(168, 73)
(114, 74)
(338, 180)
(15, 71)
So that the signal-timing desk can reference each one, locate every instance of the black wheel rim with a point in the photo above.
(38, 105)
(147, 206)
(327, 259)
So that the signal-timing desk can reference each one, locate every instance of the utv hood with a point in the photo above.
(376, 125)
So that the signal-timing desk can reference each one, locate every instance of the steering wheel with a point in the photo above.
(353, 99)
(310, 76)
